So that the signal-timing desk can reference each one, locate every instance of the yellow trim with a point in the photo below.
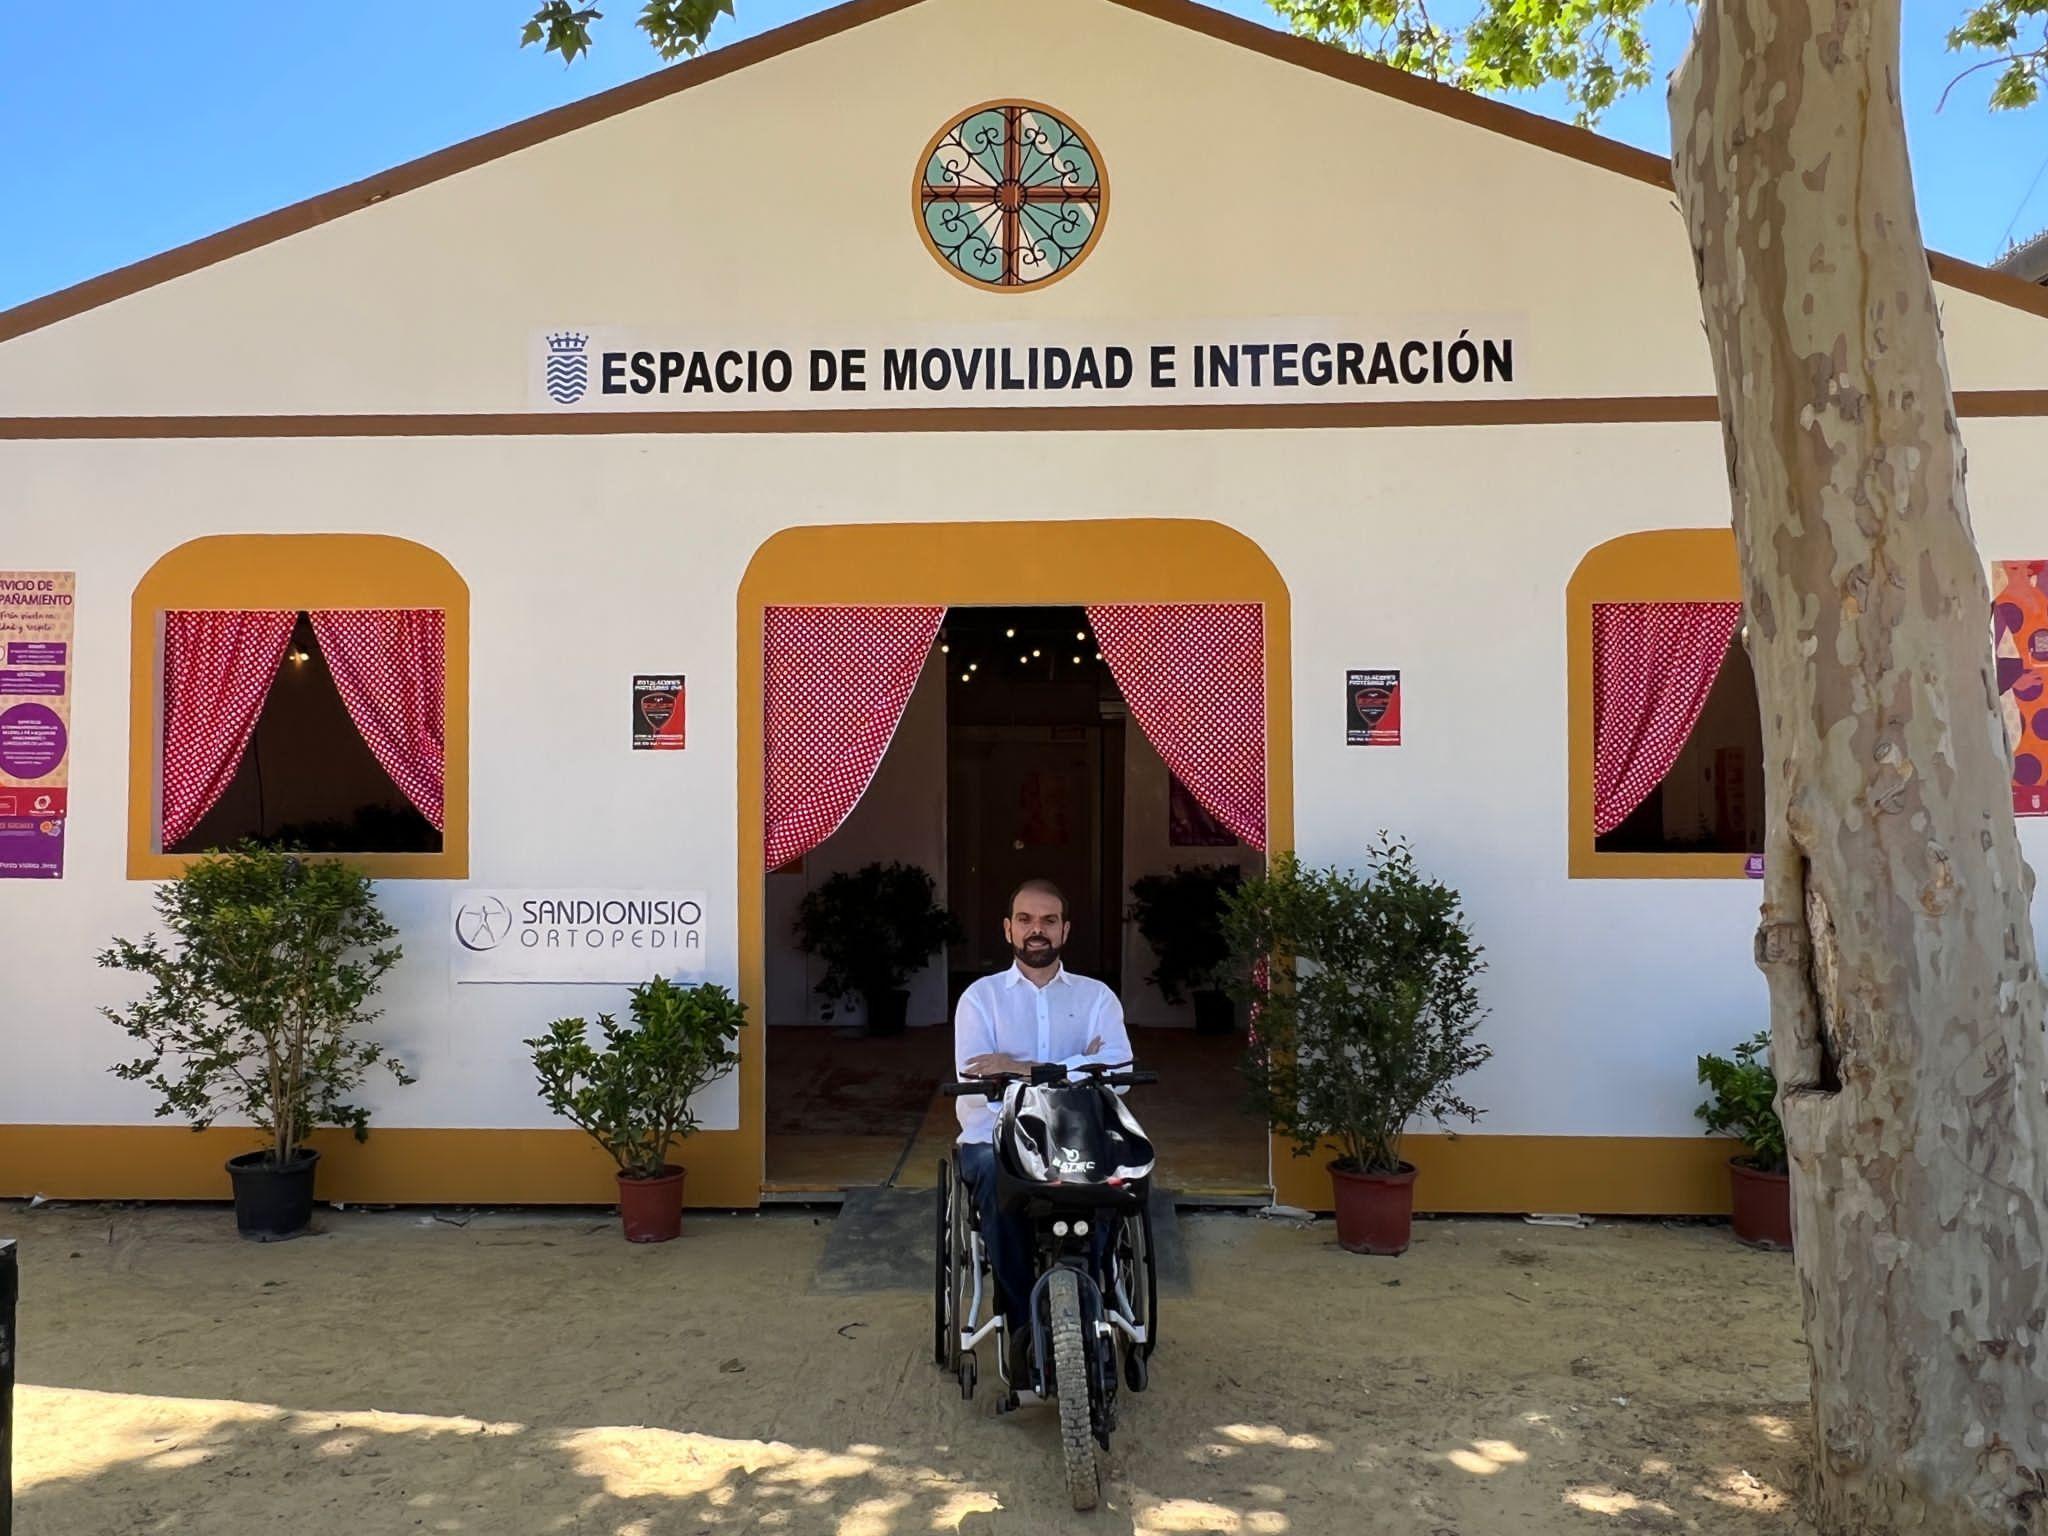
(1614, 1175)
(1668, 565)
(297, 570)
(1008, 564)
(924, 161)
(395, 1166)
(1596, 1175)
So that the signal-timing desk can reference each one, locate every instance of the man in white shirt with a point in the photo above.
(1036, 1011)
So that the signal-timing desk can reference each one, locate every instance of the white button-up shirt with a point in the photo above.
(1008, 1013)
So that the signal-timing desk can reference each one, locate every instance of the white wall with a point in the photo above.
(901, 817)
(1442, 552)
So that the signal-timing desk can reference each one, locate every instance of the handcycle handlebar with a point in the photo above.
(1112, 1074)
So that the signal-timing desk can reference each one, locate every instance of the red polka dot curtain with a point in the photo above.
(1194, 676)
(390, 667)
(218, 668)
(1653, 666)
(835, 682)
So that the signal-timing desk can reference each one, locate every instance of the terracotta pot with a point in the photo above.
(652, 1209)
(1375, 1211)
(1761, 1211)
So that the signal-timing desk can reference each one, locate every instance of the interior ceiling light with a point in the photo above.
(1010, 634)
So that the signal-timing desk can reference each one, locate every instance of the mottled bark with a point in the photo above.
(1907, 1010)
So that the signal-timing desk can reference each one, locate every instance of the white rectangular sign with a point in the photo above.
(1273, 361)
(576, 935)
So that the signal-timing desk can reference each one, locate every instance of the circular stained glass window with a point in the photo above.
(1011, 195)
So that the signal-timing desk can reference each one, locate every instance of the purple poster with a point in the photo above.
(31, 848)
(35, 722)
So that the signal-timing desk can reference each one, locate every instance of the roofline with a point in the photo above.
(1446, 101)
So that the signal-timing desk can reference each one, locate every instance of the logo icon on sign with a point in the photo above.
(568, 370)
(657, 709)
(482, 925)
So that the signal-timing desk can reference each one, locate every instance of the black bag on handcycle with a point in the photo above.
(1070, 1144)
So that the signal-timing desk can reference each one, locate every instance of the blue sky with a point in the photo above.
(130, 128)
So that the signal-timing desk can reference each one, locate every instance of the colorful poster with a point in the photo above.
(1188, 822)
(35, 721)
(1372, 709)
(658, 713)
(2019, 633)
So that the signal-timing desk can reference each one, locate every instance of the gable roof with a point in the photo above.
(1444, 100)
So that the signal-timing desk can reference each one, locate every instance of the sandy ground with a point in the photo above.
(534, 1373)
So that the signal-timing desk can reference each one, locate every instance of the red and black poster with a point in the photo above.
(1372, 709)
(657, 713)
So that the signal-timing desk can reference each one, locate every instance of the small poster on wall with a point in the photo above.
(1372, 709)
(2019, 634)
(1188, 822)
(35, 721)
(658, 713)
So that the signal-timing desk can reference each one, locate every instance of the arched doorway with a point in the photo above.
(981, 565)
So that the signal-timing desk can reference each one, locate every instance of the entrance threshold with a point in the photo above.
(1183, 1199)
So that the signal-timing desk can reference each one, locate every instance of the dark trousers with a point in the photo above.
(1008, 1237)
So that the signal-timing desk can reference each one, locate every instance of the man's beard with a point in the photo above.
(1037, 952)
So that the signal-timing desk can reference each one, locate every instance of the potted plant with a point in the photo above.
(873, 927)
(1181, 916)
(1365, 1004)
(255, 998)
(1744, 1105)
(634, 1093)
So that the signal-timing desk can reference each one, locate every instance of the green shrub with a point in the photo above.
(1364, 1001)
(1181, 916)
(269, 966)
(633, 1095)
(873, 927)
(1744, 1102)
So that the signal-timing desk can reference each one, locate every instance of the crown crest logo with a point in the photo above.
(567, 372)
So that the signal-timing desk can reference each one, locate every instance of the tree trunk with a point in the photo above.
(1907, 1012)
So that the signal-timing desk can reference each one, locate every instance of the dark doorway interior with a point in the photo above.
(1036, 779)
(1034, 783)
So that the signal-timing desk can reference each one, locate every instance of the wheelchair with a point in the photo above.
(1090, 1330)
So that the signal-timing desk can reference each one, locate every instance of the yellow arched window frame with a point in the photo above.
(295, 570)
(1667, 565)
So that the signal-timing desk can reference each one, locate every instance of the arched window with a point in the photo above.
(1666, 745)
(301, 689)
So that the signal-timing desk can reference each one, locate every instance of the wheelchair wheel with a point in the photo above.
(1070, 1384)
(945, 1322)
(1134, 1252)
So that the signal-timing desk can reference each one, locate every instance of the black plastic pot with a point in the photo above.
(273, 1201)
(1215, 1013)
(887, 1011)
